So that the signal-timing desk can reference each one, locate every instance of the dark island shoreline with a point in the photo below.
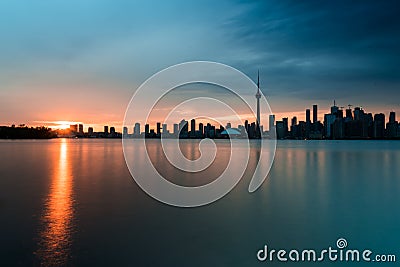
(21, 133)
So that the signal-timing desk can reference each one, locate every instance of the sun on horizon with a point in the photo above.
(62, 125)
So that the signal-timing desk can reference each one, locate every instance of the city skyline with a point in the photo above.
(339, 123)
(300, 115)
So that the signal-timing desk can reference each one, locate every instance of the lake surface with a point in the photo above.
(73, 202)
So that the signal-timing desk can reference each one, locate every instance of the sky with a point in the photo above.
(81, 61)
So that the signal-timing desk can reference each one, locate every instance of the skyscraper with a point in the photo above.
(271, 123)
(201, 128)
(258, 96)
(294, 129)
(136, 129)
(280, 130)
(192, 128)
(158, 128)
(358, 112)
(392, 126)
(349, 115)
(392, 117)
(315, 113)
(329, 119)
(308, 115)
(176, 129)
(125, 130)
(294, 121)
(106, 129)
(80, 128)
(379, 125)
(285, 126)
(209, 131)
(339, 114)
(183, 129)
(334, 108)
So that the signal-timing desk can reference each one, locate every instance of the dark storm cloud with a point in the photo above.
(348, 47)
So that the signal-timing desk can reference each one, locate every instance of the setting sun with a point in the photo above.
(63, 124)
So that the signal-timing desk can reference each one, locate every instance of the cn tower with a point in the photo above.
(258, 96)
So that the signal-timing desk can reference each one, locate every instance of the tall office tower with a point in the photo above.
(392, 117)
(329, 119)
(334, 108)
(379, 125)
(294, 121)
(158, 128)
(73, 128)
(146, 129)
(136, 129)
(90, 130)
(246, 126)
(125, 131)
(106, 129)
(176, 129)
(392, 127)
(228, 125)
(201, 126)
(80, 128)
(258, 96)
(164, 129)
(280, 132)
(308, 115)
(271, 123)
(183, 128)
(207, 130)
(112, 130)
(315, 113)
(340, 114)
(285, 126)
(348, 114)
(358, 113)
(192, 127)
(211, 131)
(252, 130)
(182, 124)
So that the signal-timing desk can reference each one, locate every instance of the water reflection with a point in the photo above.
(55, 238)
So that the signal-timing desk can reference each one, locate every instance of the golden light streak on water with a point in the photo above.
(55, 238)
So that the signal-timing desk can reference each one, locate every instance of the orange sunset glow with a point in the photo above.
(63, 124)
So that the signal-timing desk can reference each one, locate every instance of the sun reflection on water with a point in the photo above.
(55, 237)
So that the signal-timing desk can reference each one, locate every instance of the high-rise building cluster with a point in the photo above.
(196, 131)
(76, 130)
(340, 124)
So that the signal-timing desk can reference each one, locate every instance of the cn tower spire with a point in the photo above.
(258, 96)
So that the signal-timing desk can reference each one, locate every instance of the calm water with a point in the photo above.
(73, 202)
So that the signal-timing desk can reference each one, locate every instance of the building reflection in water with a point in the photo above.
(57, 225)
